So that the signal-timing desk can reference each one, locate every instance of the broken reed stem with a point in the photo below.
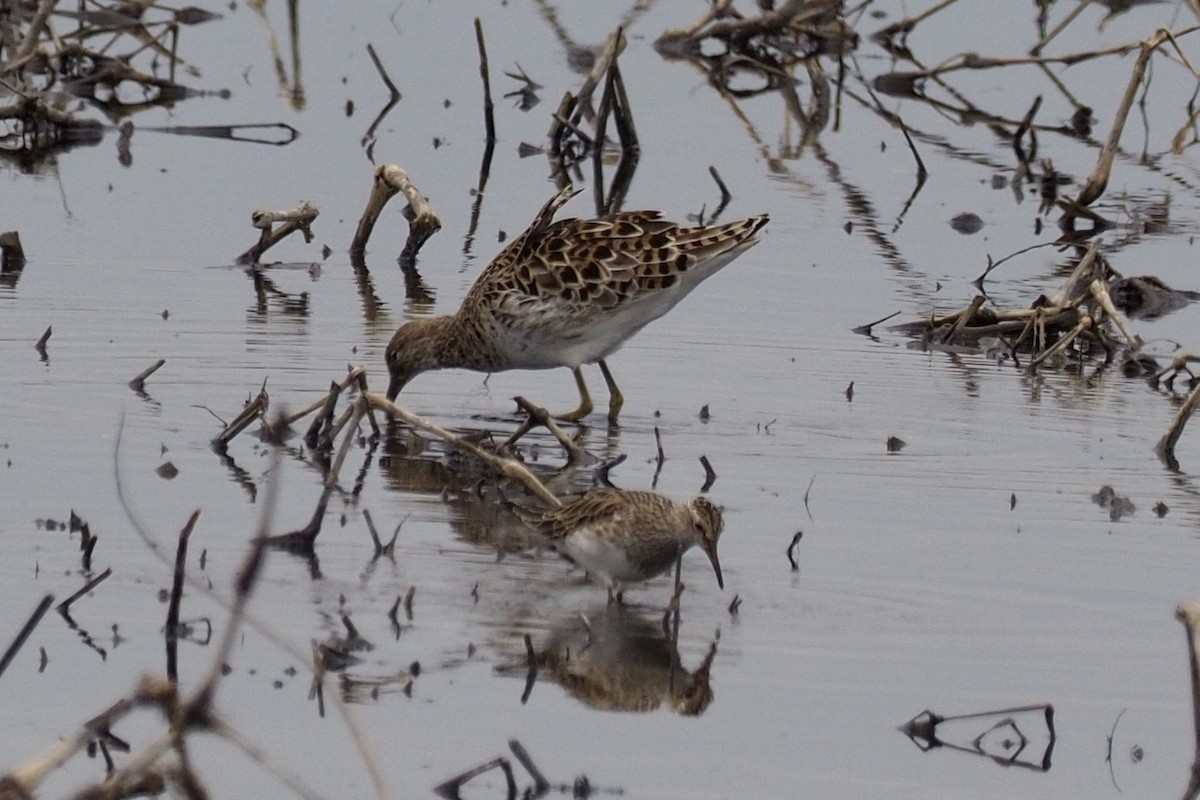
(135, 764)
(325, 418)
(1177, 364)
(540, 416)
(1024, 128)
(40, 346)
(450, 787)
(12, 254)
(602, 473)
(177, 597)
(791, 551)
(389, 180)
(716, 10)
(1100, 291)
(299, 218)
(540, 784)
(357, 410)
(356, 375)
(1081, 273)
(725, 194)
(255, 409)
(333, 430)
(374, 533)
(922, 173)
(531, 671)
(34, 30)
(304, 412)
(1097, 182)
(139, 381)
(964, 318)
(1189, 615)
(65, 606)
(359, 376)
(563, 122)
(25, 632)
(975, 61)
(583, 98)
(24, 780)
(1166, 445)
(1052, 34)
(383, 75)
(793, 14)
(906, 25)
(1085, 322)
(382, 549)
(489, 116)
(601, 128)
(505, 466)
(710, 475)
(624, 117)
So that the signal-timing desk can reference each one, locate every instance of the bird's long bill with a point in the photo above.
(394, 386)
(710, 550)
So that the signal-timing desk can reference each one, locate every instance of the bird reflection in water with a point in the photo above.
(614, 659)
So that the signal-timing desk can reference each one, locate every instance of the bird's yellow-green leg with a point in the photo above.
(615, 398)
(585, 399)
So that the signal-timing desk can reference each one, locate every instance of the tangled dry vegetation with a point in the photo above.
(51, 55)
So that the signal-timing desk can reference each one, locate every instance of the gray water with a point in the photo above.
(921, 585)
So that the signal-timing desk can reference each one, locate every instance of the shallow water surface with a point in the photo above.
(968, 571)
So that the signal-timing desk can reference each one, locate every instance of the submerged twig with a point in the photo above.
(505, 466)
(531, 669)
(368, 138)
(255, 409)
(710, 475)
(540, 784)
(25, 632)
(538, 416)
(489, 116)
(1189, 615)
(172, 631)
(791, 551)
(12, 254)
(1166, 445)
(139, 381)
(65, 606)
(40, 346)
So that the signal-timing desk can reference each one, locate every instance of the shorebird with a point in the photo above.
(625, 536)
(568, 293)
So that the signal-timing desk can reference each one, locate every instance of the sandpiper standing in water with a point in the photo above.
(625, 536)
(568, 293)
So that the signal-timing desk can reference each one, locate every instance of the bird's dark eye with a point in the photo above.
(699, 527)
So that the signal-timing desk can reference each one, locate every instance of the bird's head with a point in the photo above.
(414, 349)
(708, 523)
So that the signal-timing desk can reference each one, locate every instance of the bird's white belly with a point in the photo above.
(556, 339)
(599, 556)
(545, 349)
